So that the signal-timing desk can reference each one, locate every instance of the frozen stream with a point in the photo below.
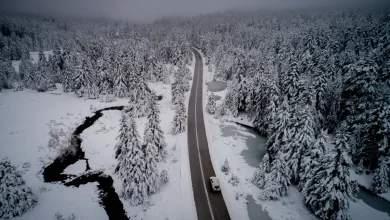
(256, 150)
(216, 86)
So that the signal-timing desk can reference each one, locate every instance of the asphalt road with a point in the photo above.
(209, 205)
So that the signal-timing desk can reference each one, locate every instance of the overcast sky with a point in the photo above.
(148, 10)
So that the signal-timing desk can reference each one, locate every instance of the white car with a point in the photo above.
(215, 184)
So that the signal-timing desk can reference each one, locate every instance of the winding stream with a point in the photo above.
(109, 199)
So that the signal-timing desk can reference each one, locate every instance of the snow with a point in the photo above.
(25, 121)
(76, 168)
(26, 118)
(241, 119)
(16, 64)
(35, 55)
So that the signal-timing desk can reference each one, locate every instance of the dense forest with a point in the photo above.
(316, 83)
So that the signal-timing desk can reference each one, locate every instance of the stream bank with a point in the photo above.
(53, 173)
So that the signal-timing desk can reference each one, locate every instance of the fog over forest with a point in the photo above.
(149, 10)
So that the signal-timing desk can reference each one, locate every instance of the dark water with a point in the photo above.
(109, 199)
(216, 86)
(255, 211)
(255, 143)
(373, 201)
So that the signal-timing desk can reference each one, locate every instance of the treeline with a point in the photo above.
(317, 85)
(91, 58)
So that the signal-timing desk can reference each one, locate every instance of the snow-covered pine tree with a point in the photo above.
(131, 168)
(232, 98)
(8, 74)
(328, 192)
(311, 158)
(166, 75)
(140, 95)
(177, 91)
(381, 176)
(182, 76)
(300, 140)
(277, 180)
(27, 73)
(221, 110)
(71, 61)
(126, 139)
(57, 65)
(290, 83)
(259, 175)
(83, 78)
(15, 197)
(211, 106)
(180, 119)
(278, 139)
(158, 72)
(154, 139)
(164, 178)
(44, 82)
(120, 86)
(225, 167)
(151, 172)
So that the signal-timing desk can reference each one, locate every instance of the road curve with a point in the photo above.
(209, 205)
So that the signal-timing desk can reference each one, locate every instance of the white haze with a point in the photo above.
(149, 10)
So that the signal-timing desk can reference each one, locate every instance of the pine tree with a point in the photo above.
(182, 77)
(301, 139)
(290, 84)
(120, 85)
(232, 98)
(277, 180)
(225, 167)
(166, 75)
(27, 73)
(131, 166)
(177, 91)
(57, 65)
(126, 138)
(15, 197)
(83, 78)
(164, 178)
(140, 95)
(311, 158)
(154, 136)
(44, 81)
(381, 177)
(221, 110)
(281, 132)
(328, 192)
(211, 106)
(8, 74)
(71, 61)
(180, 119)
(158, 72)
(259, 175)
(151, 172)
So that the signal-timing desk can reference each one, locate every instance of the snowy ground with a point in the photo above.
(25, 120)
(230, 148)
